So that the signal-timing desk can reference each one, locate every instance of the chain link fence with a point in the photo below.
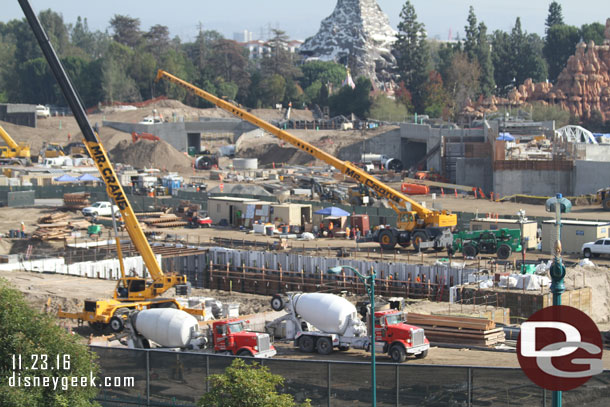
(165, 378)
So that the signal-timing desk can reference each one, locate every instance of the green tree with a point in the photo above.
(559, 45)
(274, 89)
(543, 112)
(25, 333)
(322, 71)
(463, 80)
(437, 98)
(347, 100)
(501, 56)
(384, 108)
(555, 16)
(229, 61)
(483, 51)
(246, 386)
(280, 60)
(412, 55)
(592, 32)
(472, 35)
(157, 40)
(126, 30)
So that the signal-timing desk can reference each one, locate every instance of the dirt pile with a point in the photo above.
(150, 154)
(598, 278)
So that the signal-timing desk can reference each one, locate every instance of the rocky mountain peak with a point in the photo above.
(357, 34)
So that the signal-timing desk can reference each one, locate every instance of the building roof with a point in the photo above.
(577, 222)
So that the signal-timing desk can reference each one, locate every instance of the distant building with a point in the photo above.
(257, 49)
(244, 36)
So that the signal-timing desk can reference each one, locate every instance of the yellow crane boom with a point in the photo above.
(410, 220)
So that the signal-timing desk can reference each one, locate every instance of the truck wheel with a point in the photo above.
(587, 253)
(422, 355)
(306, 344)
(245, 352)
(398, 353)
(606, 204)
(117, 324)
(344, 348)
(387, 240)
(418, 239)
(325, 346)
(504, 252)
(277, 302)
(469, 250)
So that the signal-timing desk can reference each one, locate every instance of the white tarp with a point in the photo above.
(519, 281)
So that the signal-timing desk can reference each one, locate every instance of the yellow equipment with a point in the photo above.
(13, 152)
(52, 150)
(131, 292)
(417, 225)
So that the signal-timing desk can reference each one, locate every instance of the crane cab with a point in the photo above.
(137, 288)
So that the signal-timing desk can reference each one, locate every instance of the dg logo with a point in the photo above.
(560, 348)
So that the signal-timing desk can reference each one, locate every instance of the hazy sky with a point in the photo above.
(301, 19)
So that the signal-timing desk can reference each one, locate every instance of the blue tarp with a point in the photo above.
(66, 178)
(505, 137)
(332, 211)
(88, 177)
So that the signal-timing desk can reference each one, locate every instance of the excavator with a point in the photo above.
(417, 225)
(13, 153)
(131, 293)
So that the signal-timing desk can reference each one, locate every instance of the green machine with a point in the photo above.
(502, 242)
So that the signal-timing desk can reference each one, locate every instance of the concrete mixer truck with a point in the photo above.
(321, 322)
(173, 328)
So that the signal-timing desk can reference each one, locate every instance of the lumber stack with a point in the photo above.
(166, 220)
(57, 225)
(458, 330)
(77, 200)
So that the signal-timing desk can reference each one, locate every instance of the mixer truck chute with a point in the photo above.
(321, 322)
(417, 225)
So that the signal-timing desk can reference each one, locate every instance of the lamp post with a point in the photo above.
(558, 205)
(369, 285)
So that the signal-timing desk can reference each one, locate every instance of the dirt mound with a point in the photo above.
(146, 153)
(598, 278)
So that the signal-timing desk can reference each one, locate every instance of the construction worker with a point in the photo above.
(347, 231)
(331, 226)
(22, 230)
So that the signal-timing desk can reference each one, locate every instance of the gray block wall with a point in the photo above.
(532, 182)
(475, 172)
(589, 176)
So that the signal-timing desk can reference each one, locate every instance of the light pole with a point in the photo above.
(369, 285)
(558, 205)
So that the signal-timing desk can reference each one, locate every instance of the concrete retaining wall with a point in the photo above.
(589, 176)
(532, 182)
(476, 172)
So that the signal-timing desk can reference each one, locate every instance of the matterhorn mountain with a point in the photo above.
(357, 34)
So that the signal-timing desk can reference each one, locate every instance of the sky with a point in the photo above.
(301, 19)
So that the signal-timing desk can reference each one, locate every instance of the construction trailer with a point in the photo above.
(292, 214)
(574, 233)
(529, 228)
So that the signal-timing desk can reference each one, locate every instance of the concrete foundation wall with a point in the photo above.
(387, 143)
(597, 152)
(589, 176)
(176, 133)
(476, 172)
(532, 182)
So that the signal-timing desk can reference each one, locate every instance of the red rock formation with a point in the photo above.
(582, 87)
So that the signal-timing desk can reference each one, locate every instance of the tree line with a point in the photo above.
(435, 78)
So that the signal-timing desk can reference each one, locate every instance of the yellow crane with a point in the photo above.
(131, 292)
(13, 152)
(417, 225)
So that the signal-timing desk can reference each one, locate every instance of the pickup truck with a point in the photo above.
(103, 208)
(594, 249)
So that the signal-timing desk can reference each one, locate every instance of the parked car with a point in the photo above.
(600, 246)
(150, 120)
(43, 111)
(102, 208)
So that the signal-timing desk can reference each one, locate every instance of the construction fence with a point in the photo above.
(166, 378)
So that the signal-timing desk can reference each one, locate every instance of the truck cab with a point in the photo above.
(230, 335)
(398, 339)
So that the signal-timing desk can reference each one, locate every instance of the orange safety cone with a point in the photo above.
(442, 192)
(475, 193)
(481, 194)
(455, 190)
